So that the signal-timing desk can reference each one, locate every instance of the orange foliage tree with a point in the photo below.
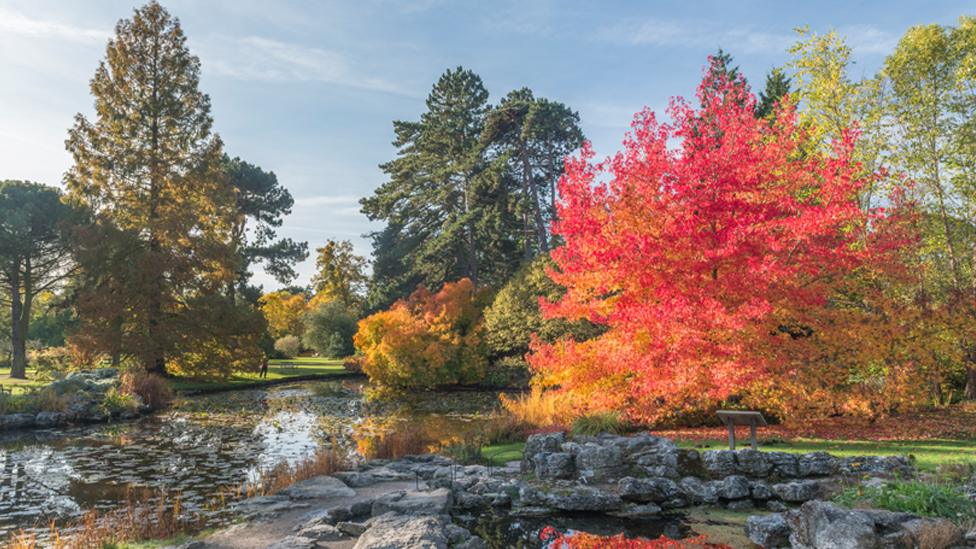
(708, 247)
(426, 340)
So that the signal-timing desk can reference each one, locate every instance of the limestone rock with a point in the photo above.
(735, 487)
(554, 465)
(796, 491)
(434, 502)
(647, 489)
(768, 532)
(392, 531)
(318, 488)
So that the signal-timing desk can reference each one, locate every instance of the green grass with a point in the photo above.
(305, 368)
(500, 454)
(21, 385)
(921, 498)
(929, 454)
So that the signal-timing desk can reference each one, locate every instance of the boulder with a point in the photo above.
(699, 492)
(752, 463)
(353, 529)
(768, 532)
(648, 489)
(321, 532)
(318, 488)
(761, 490)
(356, 479)
(294, 542)
(718, 463)
(735, 487)
(816, 464)
(392, 531)
(599, 463)
(824, 525)
(573, 497)
(434, 502)
(797, 491)
(49, 419)
(536, 444)
(933, 533)
(553, 465)
(783, 465)
(877, 466)
(16, 421)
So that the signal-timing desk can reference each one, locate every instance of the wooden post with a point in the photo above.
(752, 433)
(731, 435)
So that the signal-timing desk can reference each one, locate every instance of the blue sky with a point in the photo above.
(309, 89)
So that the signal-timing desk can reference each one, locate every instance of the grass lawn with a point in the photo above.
(304, 368)
(500, 454)
(20, 385)
(929, 454)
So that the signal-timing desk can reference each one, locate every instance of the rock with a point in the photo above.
(16, 421)
(761, 491)
(535, 444)
(356, 479)
(752, 463)
(294, 542)
(474, 542)
(877, 466)
(318, 488)
(783, 465)
(434, 502)
(776, 505)
(735, 487)
(823, 525)
(740, 504)
(637, 511)
(597, 463)
(570, 498)
(49, 419)
(353, 529)
(467, 500)
(321, 532)
(797, 491)
(816, 464)
(933, 533)
(768, 532)
(553, 465)
(361, 508)
(456, 534)
(261, 505)
(719, 463)
(392, 531)
(699, 492)
(647, 489)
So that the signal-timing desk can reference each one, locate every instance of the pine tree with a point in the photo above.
(262, 202)
(530, 137)
(149, 167)
(777, 87)
(444, 206)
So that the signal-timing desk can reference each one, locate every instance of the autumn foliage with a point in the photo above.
(583, 540)
(426, 340)
(712, 248)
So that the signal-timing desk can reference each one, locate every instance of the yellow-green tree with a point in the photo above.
(340, 275)
(284, 312)
(149, 167)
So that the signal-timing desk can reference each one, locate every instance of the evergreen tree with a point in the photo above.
(340, 275)
(150, 169)
(444, 206)
(262, 202)
(530, 137)
(777, 87)
(34, 255)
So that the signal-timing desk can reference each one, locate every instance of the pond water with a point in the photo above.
(205, 443)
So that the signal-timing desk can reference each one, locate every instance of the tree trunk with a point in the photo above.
(540, 226)
(970, 380)
(18, 339)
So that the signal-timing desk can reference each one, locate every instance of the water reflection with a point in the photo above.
(203, 444)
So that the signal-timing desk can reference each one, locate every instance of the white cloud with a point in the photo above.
(688, 33)
(865, 39)
(254, 58)
(12, 22)
(326, 200)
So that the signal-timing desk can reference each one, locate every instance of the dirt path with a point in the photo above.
(264, 531)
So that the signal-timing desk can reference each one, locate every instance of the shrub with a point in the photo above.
(427, 340)
(329, 329)
(116, 401)
(922, 498)
(540, 408)
(601, 422)
(514, 316)
(150, 388)
(289, 346)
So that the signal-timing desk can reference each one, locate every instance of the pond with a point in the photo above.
(205, 443)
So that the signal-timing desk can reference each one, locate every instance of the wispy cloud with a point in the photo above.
(692, 33)
(327, 200)
(864, 39)
(255, 58)
(12, 22)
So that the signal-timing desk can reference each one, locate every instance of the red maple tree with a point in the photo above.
(704, 247)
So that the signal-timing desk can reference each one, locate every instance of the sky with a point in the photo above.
(309, 89)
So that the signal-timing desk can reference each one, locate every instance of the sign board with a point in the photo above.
(731, 418)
